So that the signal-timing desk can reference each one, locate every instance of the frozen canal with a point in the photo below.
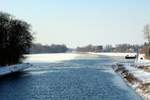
(85, 77)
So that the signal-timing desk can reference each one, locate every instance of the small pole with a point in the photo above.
(137, 56)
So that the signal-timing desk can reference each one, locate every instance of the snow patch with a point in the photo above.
(40, 58)
(13, 68)
(114, 54)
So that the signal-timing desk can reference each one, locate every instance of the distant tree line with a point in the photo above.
(123, 48)
(90, 48)
(146, 48)
(15, 39)
(109, 48)
(54, 48)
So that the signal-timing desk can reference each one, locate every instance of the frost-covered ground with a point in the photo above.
(46, 58)
(114, 54)
(56, 57)
(140, 74)
(13, 68)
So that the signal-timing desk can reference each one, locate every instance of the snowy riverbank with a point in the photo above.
(137, 78)
(47, 58)
(112, 54)
(13, 68)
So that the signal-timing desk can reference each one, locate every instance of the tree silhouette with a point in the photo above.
(147, 36)
(15, 39)
(147, 32)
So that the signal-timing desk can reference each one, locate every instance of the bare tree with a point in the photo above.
(147, 36)
(147, 32)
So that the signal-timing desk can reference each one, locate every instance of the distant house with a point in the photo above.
(98, 48)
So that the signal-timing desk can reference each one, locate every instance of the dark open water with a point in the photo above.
(89, 78)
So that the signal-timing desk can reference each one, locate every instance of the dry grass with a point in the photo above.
(126, 74)
(145, 87)
(147, 57)
(146, 69)
(131, 79)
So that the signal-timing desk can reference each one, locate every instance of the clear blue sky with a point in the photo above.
(82, 22)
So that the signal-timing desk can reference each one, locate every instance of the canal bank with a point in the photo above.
(137, 78)
(5, 70)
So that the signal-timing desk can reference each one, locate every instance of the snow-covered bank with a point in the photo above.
(113, 54)
(38, 58)
(137, 78)
(13, 68)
